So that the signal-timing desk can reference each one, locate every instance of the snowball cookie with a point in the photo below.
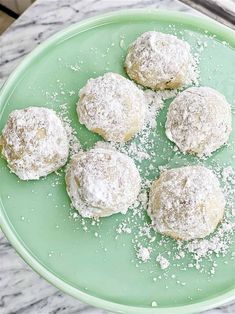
(159, 61)
(102, 182)
(186, 203)
(199, 121)
(112, 106)
(34, 142)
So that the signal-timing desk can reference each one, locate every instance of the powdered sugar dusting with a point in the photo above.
(164, 263)
(143, 253)
(74, 143)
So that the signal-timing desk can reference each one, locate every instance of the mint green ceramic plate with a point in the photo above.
(35, 215)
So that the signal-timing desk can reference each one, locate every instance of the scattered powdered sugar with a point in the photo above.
(228, 178)
(154, 304)
(155, 99)
(217, 244)
(74, 143)
(143, 253)
(163, 262)
(163, 94)
(123, 228)
(155, 102)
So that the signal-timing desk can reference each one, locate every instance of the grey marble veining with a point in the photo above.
(22, 291)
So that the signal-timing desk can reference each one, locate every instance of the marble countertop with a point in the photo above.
(22, 291)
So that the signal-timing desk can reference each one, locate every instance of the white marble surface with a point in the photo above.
(22, 291)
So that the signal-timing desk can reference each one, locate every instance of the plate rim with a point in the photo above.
(8, 228)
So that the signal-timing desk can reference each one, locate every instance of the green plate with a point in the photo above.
(91, 265)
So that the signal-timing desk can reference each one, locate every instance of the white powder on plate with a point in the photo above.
(123, 228)
(74, 143)
(163, 262)
(143, 254)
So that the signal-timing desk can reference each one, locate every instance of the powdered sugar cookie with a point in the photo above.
(112, 106)
(199, 120)
(186, 203)
(34, 142)
(102, 182)
(159, 61)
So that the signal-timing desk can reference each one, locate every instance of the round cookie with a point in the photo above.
(199, 121)
(186, 203)
(112, 106)
(102, 182)
(159, 61)
(34, 142)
